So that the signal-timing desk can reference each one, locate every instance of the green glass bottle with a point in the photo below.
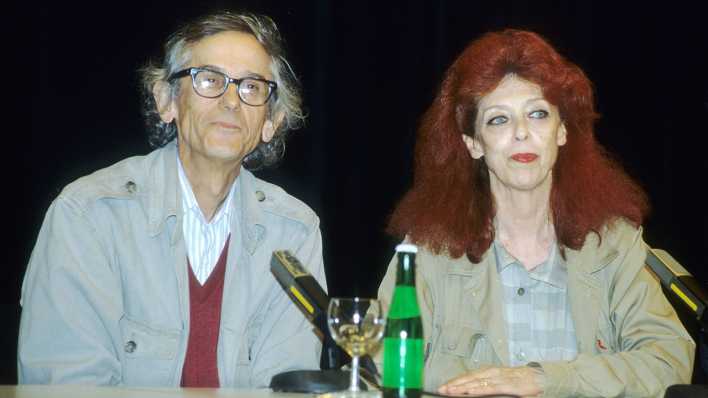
(403, 339)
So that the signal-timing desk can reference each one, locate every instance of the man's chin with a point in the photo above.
(225, 155)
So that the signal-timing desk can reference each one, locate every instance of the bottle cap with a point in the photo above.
(407, 247)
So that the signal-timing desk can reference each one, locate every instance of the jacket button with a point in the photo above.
(260, 196)
(130, 346)
(130, 186)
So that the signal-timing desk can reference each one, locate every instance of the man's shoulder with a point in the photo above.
(275, 201)
(125, 179)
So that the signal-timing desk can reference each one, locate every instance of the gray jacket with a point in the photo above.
(630, 342)
(105, 298)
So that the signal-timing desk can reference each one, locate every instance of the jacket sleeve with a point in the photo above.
(70, 308)
(650, 349)
(287, 340)
(384, 296)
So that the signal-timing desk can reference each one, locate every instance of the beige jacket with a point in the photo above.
(630, 342)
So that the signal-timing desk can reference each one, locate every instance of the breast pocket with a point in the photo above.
(457, 350)
(150, 354)
(470, 346)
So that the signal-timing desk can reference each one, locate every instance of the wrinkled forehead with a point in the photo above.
(231, 52)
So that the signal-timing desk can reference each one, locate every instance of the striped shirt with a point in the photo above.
(536, 308)
(204, 240)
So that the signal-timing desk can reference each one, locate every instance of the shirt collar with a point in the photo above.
(552, 271)
(504, 259)
(189, 201)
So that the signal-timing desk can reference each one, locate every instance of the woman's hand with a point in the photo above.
(520, 381)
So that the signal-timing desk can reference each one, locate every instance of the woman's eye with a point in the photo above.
(497, 120)
(539, 114)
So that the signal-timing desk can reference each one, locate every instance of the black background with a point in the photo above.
(76, 67)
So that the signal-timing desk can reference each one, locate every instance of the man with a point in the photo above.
(155, 271)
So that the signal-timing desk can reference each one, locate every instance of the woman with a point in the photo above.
(531, 280)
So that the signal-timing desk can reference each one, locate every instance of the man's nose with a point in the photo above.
(231, 99)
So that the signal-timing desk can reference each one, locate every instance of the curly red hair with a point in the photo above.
(450, 206)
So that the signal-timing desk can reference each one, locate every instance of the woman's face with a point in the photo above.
(518, 133)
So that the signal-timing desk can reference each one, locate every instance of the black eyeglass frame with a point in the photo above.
(192, 72)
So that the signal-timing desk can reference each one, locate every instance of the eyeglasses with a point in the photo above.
(208, 83)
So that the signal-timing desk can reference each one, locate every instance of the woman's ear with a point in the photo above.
(562, 136)
(474, 147)
(162, 93)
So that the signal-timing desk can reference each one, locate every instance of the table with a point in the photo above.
(77, 391)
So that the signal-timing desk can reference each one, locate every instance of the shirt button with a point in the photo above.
(130, 346)
(521, 291)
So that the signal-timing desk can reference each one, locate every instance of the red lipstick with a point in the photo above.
(524, 157)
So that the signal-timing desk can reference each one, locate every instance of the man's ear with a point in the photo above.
(474, 147)
(162, 93)
(270, 126)
(562, 137)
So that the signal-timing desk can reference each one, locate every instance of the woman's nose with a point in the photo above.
(521, 132)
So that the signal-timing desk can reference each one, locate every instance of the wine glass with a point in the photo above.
(357, 325)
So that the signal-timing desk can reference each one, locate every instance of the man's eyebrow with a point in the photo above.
(247, 74)
(256, 75)
(212, 67)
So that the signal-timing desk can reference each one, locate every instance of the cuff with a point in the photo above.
(559, 380)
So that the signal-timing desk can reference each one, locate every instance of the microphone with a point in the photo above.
(312, 300)
(680, 282)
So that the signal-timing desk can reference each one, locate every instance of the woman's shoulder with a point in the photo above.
(615, 234)
(435, 263)
(611, 246)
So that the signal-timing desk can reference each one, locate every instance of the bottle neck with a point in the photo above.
(405, 276)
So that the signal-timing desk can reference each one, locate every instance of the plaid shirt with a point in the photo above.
(536, 307)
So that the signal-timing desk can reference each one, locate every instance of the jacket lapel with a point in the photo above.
(584, 296)
(586, 291)
(483, 289)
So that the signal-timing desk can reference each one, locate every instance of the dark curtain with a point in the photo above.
(369, 70)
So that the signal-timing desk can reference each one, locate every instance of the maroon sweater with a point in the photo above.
(200, 368)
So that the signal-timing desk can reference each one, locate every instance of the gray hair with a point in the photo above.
(286, 100)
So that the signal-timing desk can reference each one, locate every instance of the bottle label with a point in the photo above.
(404, 303)
(403, 363)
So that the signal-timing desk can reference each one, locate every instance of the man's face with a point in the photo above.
(222, 129)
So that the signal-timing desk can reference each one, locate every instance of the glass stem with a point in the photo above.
(354, 385)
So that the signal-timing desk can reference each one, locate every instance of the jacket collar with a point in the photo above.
(164, 200)
(249, 214)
